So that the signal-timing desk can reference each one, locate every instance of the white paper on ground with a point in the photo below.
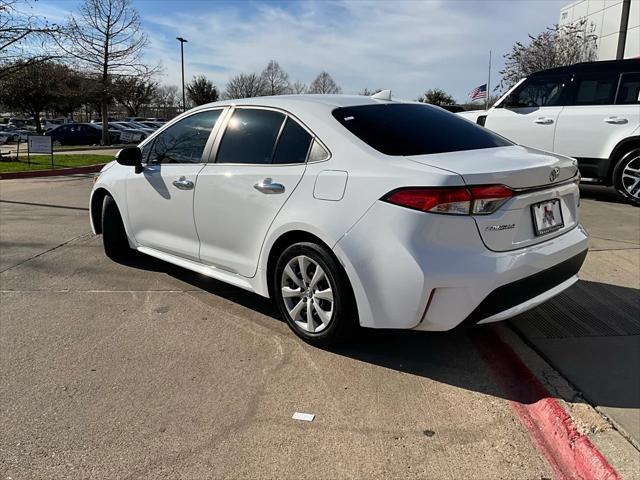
(305, 417)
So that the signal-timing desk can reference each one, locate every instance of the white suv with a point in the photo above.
(589, 111)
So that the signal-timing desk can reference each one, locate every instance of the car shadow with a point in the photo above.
(455, 357)
(590, 333)
(207, 284)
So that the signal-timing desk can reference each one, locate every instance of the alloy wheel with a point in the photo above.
(307, 294)
(631, 177)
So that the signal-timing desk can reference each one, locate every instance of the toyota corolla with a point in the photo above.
(349, 211)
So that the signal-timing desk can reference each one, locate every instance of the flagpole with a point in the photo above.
(486, 102)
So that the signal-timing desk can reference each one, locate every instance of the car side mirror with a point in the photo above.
(131, 157)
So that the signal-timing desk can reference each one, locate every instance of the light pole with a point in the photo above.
(182, 42)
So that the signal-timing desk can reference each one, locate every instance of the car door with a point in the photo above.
(260, 160)
(529, 114)
(84, 135)
(593, 121)
(160, 199)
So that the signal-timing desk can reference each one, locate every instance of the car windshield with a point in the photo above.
(403, 129)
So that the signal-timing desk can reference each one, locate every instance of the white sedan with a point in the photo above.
(349, 211)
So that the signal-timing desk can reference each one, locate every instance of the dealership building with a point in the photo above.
(616, 23)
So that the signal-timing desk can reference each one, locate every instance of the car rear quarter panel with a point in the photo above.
(370, 175)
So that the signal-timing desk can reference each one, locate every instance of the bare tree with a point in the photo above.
(298, 87)
(167, 100)
(245, 85)
(201, 90)
(106, 39)
(437, 96)
(367, 93)
(134, 93)
(324, 83)
(557, 46)
(276, 80)
(25, 39)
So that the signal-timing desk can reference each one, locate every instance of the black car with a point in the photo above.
(79, 134)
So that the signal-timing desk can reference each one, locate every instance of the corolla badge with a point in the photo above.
(555, 173)
(499, 228)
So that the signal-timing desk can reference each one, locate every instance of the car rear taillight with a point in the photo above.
(478, 200)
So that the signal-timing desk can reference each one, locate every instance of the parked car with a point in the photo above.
(589, 111)
(134, 132)
(151, 124)
(349, 210)
(139, 126)
(114, 135)
(128, 134)
(78, 134)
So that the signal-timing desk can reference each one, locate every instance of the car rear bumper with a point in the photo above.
(422, 271)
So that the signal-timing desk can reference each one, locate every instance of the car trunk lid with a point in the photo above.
(543, 184)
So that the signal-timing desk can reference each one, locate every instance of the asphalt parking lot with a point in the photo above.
(149, 371)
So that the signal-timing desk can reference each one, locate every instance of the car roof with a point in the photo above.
(301, 101)
(615, 66)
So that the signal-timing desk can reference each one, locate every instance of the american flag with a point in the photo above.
(478, 92)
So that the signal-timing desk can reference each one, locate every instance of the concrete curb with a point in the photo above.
(570, 454)
(52, 173)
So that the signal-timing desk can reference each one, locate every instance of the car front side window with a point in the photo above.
(539, 92)
(185, 141)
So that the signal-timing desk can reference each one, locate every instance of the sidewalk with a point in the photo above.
(591, 332)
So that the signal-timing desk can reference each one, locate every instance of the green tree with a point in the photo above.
(134, 93)
(201, 90)
(437, 96)
(33, 88)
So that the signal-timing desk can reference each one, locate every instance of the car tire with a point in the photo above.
(114, 236)
(326, 295)
(626, 177)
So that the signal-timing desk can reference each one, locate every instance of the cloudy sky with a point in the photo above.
(407, 46)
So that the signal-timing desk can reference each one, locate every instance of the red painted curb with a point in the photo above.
(52, 173)
(570, 454)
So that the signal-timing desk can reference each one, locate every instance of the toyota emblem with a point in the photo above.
(555, 173)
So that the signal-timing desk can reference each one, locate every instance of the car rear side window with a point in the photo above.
(593, 89)
(293, 144)
(629, 90)
(412, 129)
(184, 141)
(250, 136)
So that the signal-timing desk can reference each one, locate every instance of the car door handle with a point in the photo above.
(267, 186)
(616, 120)
(543, 121)
(183, 184)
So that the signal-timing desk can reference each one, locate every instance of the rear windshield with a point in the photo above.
(412, 129)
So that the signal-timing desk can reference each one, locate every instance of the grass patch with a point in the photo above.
(62, 148)
(43, 162)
